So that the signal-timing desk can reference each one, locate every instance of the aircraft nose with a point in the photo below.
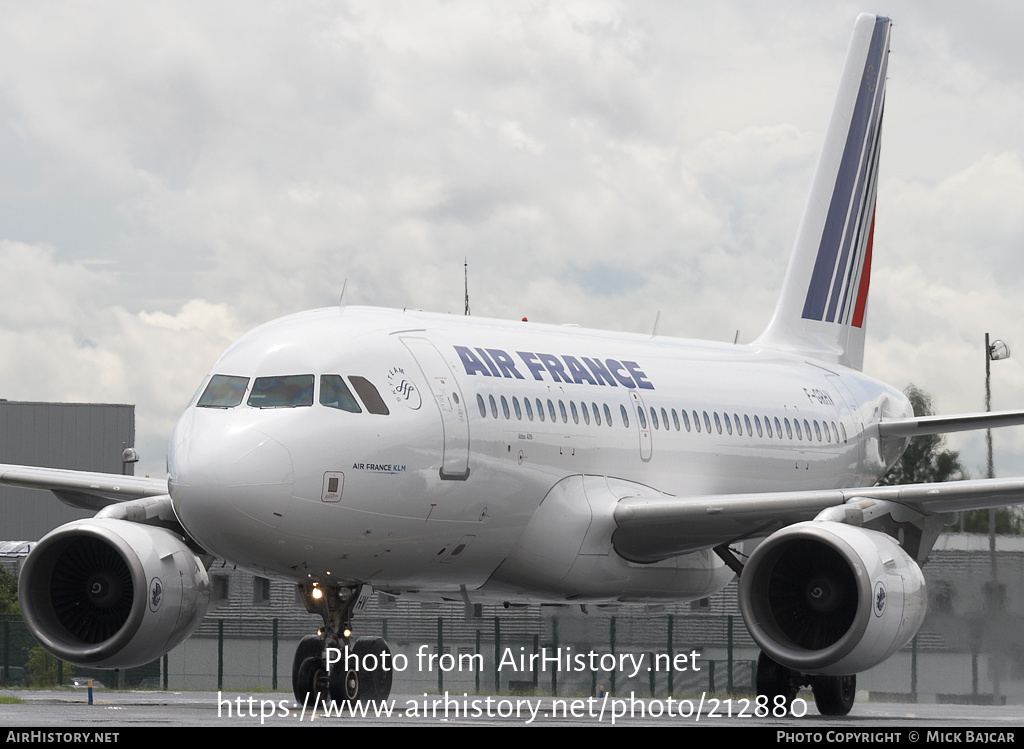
(230, 486)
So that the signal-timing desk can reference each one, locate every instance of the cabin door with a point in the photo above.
(642, 424)
(452, 406)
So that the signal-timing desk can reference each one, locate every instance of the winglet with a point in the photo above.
(822, 309)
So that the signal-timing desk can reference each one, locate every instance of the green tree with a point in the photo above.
(42, 668)
(925, 462)
(8, 593)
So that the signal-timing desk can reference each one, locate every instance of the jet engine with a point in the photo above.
(830, 598)
(109, 593)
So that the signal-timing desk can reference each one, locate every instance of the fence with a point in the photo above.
(437, 649)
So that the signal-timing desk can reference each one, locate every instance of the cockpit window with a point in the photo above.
(371, 398)
(282, 392)
(224, 391)
(334, 393)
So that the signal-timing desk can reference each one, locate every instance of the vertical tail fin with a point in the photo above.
(821, 311)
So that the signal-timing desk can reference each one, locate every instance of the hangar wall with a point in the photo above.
(79, 436)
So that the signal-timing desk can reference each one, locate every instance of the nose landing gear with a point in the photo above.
(329, 665)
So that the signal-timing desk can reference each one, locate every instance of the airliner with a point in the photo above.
(436, 457)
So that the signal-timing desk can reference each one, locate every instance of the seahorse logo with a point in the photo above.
(156, 593)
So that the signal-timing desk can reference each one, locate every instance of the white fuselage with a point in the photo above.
(434, 496)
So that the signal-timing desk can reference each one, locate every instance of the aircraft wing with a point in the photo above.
(81, 489)
(649, 529)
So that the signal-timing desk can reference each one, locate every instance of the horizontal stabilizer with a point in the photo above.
(921, 425)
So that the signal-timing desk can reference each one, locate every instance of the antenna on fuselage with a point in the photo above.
(341, 299)
(465, 272)
(657, 317)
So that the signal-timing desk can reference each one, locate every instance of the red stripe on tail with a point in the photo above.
(865, 278)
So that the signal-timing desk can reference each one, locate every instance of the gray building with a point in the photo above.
(79, 436)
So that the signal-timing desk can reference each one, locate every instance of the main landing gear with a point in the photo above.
(833, 695)
(329, 665)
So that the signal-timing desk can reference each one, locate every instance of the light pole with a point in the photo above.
(994, 351)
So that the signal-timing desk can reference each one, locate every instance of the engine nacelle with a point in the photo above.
(831, 598)
(109, 593)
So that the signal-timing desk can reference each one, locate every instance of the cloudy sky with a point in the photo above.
(174, 174)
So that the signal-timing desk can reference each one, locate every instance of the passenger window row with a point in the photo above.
(293, 391)
(773, 427)
(599, 415)
(809, 430)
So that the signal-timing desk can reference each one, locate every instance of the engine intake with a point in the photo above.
(110, 593)
(831, 598)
